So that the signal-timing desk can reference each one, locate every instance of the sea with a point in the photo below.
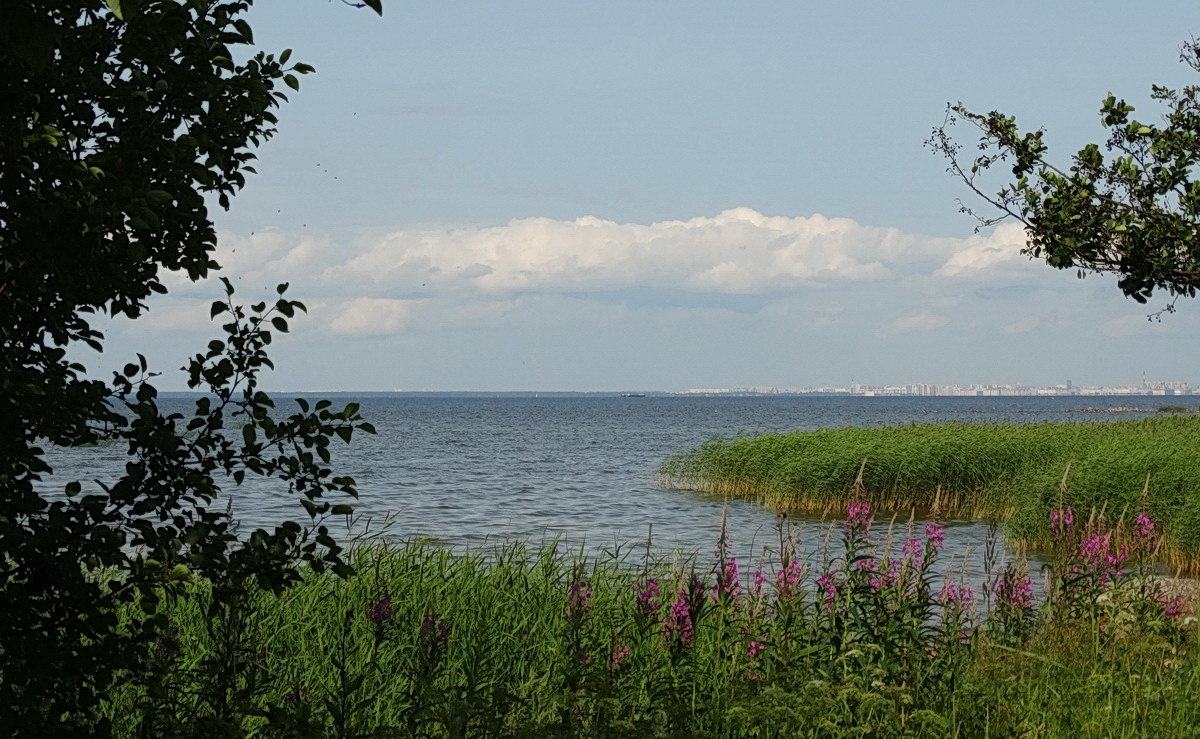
(478, 470)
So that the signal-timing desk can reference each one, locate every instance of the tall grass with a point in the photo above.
(538, 641)
(1010, 472)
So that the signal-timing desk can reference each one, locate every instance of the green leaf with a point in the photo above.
(280, 324)
(291, 81)
(244, 28)
(376, 5)
(341, 509)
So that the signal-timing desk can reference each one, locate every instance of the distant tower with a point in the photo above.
(1068, 384)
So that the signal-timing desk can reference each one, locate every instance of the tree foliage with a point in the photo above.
(1129, 206)
(120, 122)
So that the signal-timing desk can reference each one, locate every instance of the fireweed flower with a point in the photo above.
(880, 580)
(828, 584)
(728, 581)
(859, 515)
(434, 630)
(618, 656)
(936, 534)
(1060, 521)
(647, 598)
(382, 612)
(1014, 592)
(755, 648)
(677, 626)
(957, 595)
(787, 582)
(1143, 527)
(914, 553)
(1172, 606)
(1093, 550)
(759, 580)
(578, 605)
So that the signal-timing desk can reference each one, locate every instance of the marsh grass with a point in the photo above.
(539, 640)
(1014, 473)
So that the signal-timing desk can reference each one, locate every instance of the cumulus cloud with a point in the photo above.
(986, 256)
(380, 282)
(739, 251)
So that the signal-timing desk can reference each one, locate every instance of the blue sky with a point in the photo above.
(620, 195)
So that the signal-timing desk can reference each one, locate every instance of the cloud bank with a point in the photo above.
(380, 283)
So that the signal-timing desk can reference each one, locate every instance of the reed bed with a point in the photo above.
(537, 641)
(1014, 473)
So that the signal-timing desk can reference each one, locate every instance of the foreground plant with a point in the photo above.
(120, 123)
(871, 639)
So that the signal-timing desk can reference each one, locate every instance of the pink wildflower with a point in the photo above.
(617, 659)
(1060, 521)
(728, 581)
(1143, 526)
(677, 626)
(578, 605)
(914, 553)
(755, 648)
(788, 580)
(1016, 592)
(859, 514)
(962, 596)
(1094, 549)
(759, 580)
(827, 583)
(647, 598)
(936, 533)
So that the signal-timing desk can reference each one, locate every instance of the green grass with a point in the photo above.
(1011, 472)
(524, 653)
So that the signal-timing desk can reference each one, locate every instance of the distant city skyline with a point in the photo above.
(1164, 388)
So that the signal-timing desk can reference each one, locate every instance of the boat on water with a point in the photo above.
(633, 395)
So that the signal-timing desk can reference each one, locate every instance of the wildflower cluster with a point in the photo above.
(382, 612)
(728, 585)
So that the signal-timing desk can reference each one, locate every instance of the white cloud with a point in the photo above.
(370, 317)
(380, 282)
(986, 256)
(922, 320)
(739, 251)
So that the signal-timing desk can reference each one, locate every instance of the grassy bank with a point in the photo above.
(536, 642)
(1012, 472)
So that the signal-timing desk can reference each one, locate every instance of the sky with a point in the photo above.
(666, 195)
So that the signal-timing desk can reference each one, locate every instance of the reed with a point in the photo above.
(538, 641)
(1014, 473)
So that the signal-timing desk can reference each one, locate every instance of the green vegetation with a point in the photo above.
(122, 124)
(1011, 472)
(536, 642)
(1128, 206)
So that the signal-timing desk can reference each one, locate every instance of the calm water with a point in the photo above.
(467, 471)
